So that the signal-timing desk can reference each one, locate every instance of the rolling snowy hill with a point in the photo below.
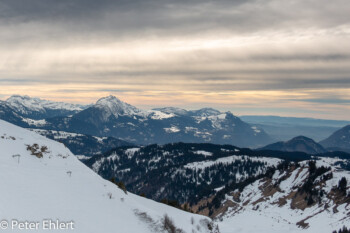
(41, 179)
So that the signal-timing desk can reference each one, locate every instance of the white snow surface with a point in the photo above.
(131, 151)
(269, 217)
(172, 110)
(172, 129)
(25, 103)
(59, 134)
(256, 129)
(158, 115)
(59, 187)
(111, 105)
(231, 159)
(34, 122)
(202, 152)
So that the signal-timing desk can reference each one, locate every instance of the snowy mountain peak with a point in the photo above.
(205, 112)
(16, 97)
(25, 104)
(114, 106)
(110, 98)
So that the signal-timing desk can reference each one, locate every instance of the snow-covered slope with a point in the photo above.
(41, 179)
(292, 200)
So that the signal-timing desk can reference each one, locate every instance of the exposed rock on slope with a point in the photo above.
(291, 198)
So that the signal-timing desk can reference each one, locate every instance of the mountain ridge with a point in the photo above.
(110, 116)
(36, 108)
(299, 143)
(339, 140)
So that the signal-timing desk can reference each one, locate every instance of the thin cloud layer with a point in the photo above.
(250, 57)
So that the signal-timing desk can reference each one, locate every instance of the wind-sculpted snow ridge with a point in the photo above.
(42, 180)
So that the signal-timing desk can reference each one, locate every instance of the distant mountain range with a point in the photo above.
(35, 108)
(339, 140)
(300, 144)
(111, 117)
(115, 118)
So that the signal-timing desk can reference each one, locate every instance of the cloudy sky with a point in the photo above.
(271, 57)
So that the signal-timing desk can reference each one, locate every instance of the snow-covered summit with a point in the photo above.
(25, 103)
(114, 106)
(172, 110)
(42, 180)
(205, 112)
